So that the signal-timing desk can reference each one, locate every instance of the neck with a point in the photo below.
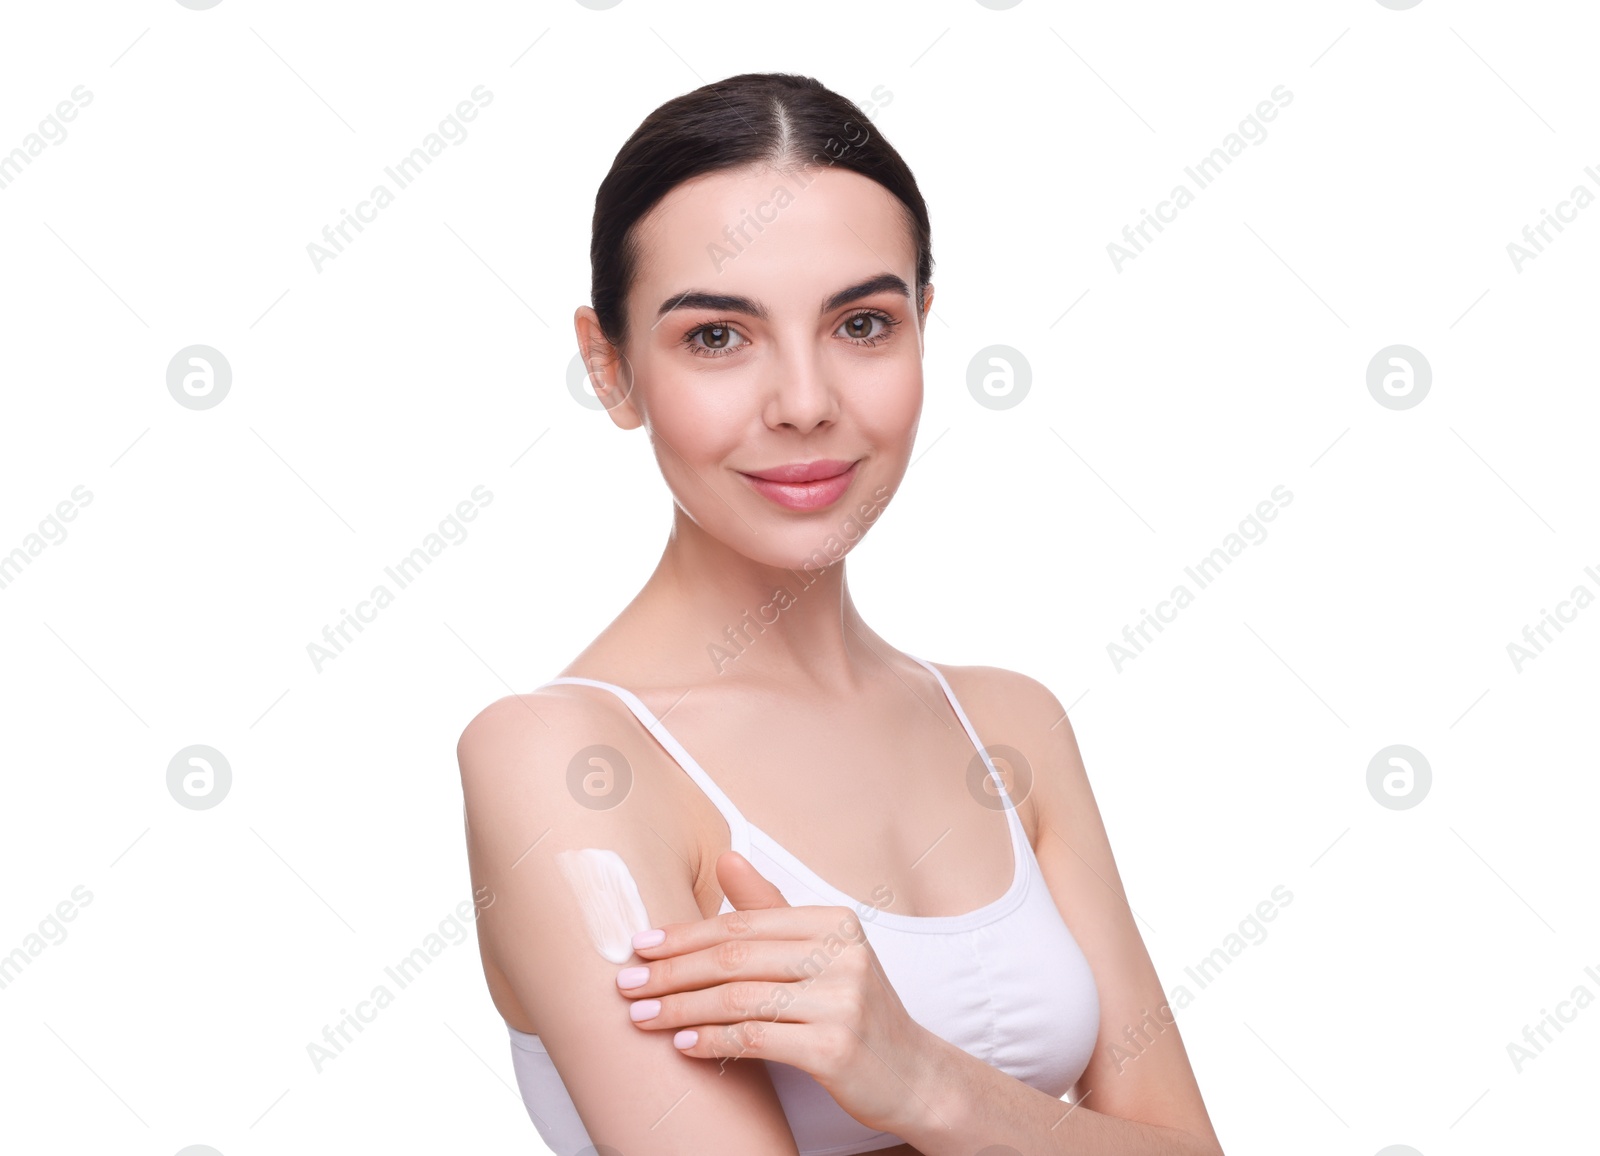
(714, 613)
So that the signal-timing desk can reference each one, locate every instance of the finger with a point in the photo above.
(731, 1003)
(756, 923)
(782, 1043)
(746, 887)
(774, 960)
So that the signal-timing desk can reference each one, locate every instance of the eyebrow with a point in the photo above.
(734, 303)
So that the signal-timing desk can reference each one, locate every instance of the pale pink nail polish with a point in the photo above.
(632, 976)
(645, 1009)
(685, 1038)
(650, 938)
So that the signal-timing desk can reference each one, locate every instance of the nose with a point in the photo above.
(802, 394)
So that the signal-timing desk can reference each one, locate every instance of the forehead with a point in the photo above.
(790, 236)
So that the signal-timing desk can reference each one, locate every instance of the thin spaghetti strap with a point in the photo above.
(738, 825)
(966, 724)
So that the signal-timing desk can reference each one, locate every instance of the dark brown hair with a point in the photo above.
(774, 118)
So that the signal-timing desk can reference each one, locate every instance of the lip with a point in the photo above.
(802, 471)
(804, 485)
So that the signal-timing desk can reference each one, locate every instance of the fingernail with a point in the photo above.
(649, 938)
(632, 976)
(645, 1009)
(685, 1038)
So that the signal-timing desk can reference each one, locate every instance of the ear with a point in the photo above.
(610, 372)
(922, 315)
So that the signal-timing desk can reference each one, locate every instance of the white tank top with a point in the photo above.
(1006, 983)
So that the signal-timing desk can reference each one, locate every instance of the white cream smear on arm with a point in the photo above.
(608, 898)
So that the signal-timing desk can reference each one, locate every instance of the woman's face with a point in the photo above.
(772, 323)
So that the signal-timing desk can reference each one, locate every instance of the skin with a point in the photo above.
(788, 727)
(791, 389)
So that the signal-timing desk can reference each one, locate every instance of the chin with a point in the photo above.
(802, 552)
(826, 538)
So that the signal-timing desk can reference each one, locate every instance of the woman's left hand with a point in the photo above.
(798, 985)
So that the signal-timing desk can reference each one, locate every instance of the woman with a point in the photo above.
(898, 950)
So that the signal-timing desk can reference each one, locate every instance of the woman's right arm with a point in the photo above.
(632, 1088)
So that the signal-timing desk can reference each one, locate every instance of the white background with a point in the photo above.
(1167, 400)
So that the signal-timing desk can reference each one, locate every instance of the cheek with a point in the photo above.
(698, 422)
(704, 430)
(888, 413)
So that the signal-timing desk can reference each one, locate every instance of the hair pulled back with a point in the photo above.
(779, 119)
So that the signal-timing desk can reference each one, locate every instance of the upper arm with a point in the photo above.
(632, 1088)
(1157, 1087)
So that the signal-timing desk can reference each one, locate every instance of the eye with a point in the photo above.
(858, 327)
(718, 339)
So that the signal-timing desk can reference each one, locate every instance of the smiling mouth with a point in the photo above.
(815, 493)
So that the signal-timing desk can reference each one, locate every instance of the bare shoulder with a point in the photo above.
(555, 714)
(554, 782)
(517, 727)
(565, 749)
(1009, 695)
(1018, 712)
(1012, 708)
